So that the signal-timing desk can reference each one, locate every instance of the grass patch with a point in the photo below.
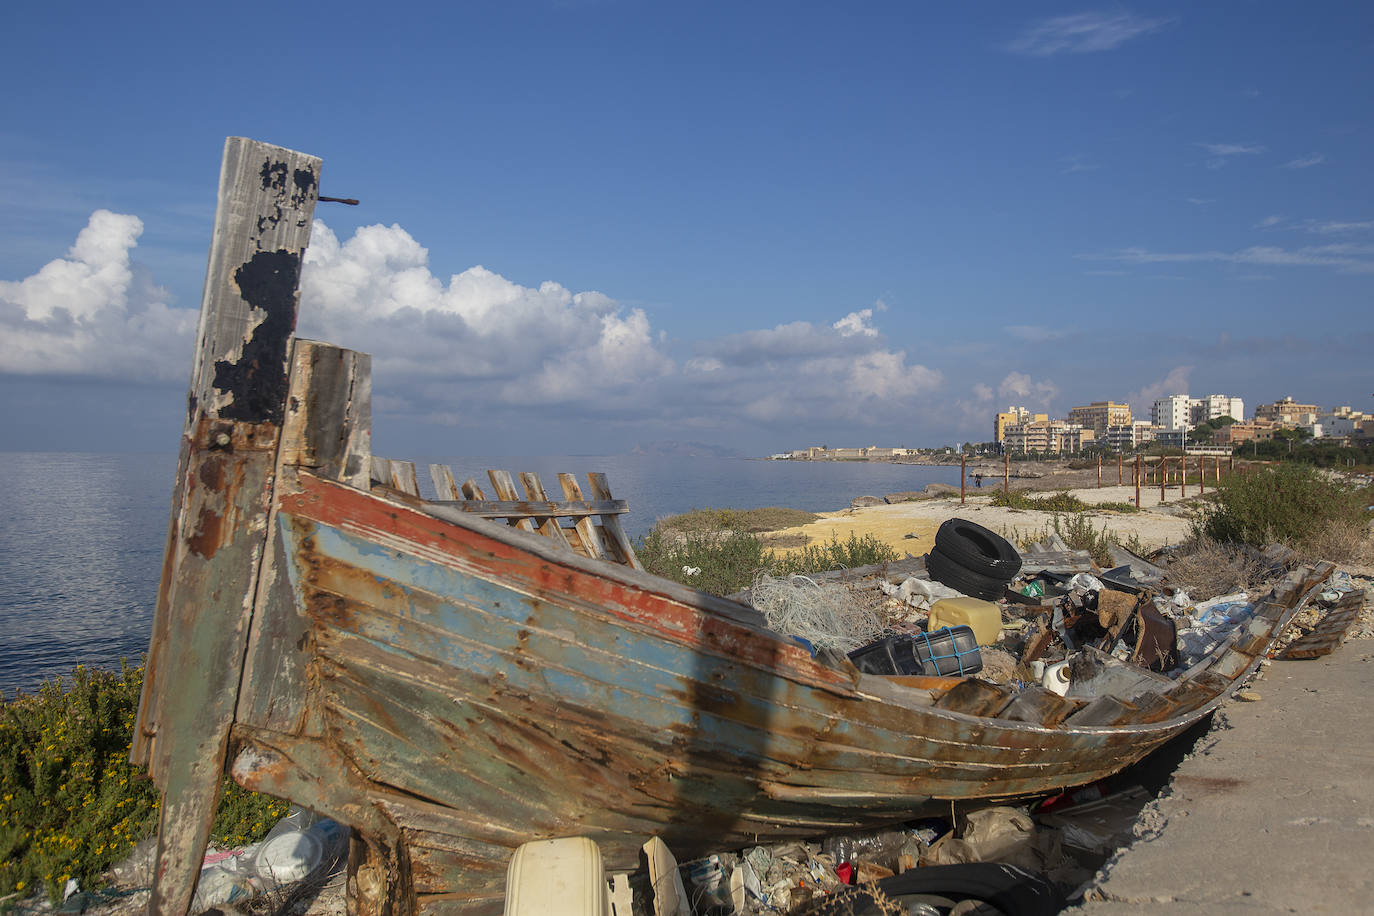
(1116, 507)
(71, 804)
(835, 554)
(1290, 503)
(729, 559)
(767, 518)
(1079, 534)
(1060, 501)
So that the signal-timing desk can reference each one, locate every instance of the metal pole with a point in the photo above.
(1137, 480)
(963, 466)
(1120, 468)
(1163, 474)
(1202, 474)
(1006, 472)
(1099, 472)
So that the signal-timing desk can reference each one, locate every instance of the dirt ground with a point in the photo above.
(909, 527)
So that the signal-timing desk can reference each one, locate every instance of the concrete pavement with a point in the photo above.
(1274, 809)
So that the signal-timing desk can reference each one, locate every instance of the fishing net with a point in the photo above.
(827, 615)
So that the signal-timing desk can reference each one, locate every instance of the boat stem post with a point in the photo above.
(218, 534)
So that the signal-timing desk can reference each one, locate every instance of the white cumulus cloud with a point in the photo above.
(1021, 387)
(518, 344)
(94, 313)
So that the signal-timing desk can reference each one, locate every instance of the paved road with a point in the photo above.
(1274, 813)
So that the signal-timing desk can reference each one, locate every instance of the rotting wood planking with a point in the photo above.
(217, 536)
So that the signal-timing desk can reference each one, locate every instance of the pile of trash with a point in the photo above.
(1054, 844)
(1047, 616)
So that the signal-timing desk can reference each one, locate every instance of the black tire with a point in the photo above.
(962, 579)
(978, 549)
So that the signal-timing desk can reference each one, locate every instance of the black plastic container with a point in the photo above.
(946, 652)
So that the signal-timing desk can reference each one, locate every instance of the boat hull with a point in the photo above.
(507, 692)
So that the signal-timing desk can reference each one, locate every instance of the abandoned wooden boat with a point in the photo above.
(452, 686)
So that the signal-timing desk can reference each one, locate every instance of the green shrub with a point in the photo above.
(728, 560)
(71, 804)
(1062, 501)
(766, 518)
(837, 554)
(1286, 502)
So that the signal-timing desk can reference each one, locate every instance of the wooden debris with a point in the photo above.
(1330, 631)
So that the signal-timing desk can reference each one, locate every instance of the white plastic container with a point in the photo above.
(1057, 678)
(557, 878)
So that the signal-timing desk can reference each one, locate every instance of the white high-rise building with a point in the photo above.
(1215, 405)
(1172, 412)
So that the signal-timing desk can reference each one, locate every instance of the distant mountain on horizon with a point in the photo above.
(670, 448)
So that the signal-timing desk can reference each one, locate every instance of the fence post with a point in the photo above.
(1137, 480)
(963, 466)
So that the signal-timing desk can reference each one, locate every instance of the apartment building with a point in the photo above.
(1287, 412)
(1014, 415)
(1213, 406)
(1173, 412)
(1129, 437)
(1046, 436)
(1099, 415)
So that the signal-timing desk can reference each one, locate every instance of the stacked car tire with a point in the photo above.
(973, 560)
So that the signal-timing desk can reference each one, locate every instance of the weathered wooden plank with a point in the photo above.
(217, 537)
(400, 475)
(547, 524)
(975, 697)
(504, 486)
(444, 485)
(472, 491)
(1040, 707)
(587, 530)
(1330, 631)
(1104, 711)
(563, 508)
(610, 525)
(328, 423)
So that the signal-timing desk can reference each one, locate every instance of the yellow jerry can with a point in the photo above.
(983, 617)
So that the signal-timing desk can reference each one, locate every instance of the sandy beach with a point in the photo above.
(909, 527)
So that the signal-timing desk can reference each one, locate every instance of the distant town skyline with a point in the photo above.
(589, 226)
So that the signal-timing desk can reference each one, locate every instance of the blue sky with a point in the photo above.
(586, 225)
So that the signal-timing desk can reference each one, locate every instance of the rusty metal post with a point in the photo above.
(1202, 474)
(1163, 475)
(963, 469)
(1006, 472)
(1137, 480)
(1099, 471)
(1120, 468)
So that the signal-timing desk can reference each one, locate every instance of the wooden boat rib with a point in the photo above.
(451, 686)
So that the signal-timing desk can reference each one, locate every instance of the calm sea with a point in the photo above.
(82, 535)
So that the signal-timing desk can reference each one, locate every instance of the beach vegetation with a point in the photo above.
(1291, 503)
(71, 803)
(725, 560)
(765, 518)
(1060, 501)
